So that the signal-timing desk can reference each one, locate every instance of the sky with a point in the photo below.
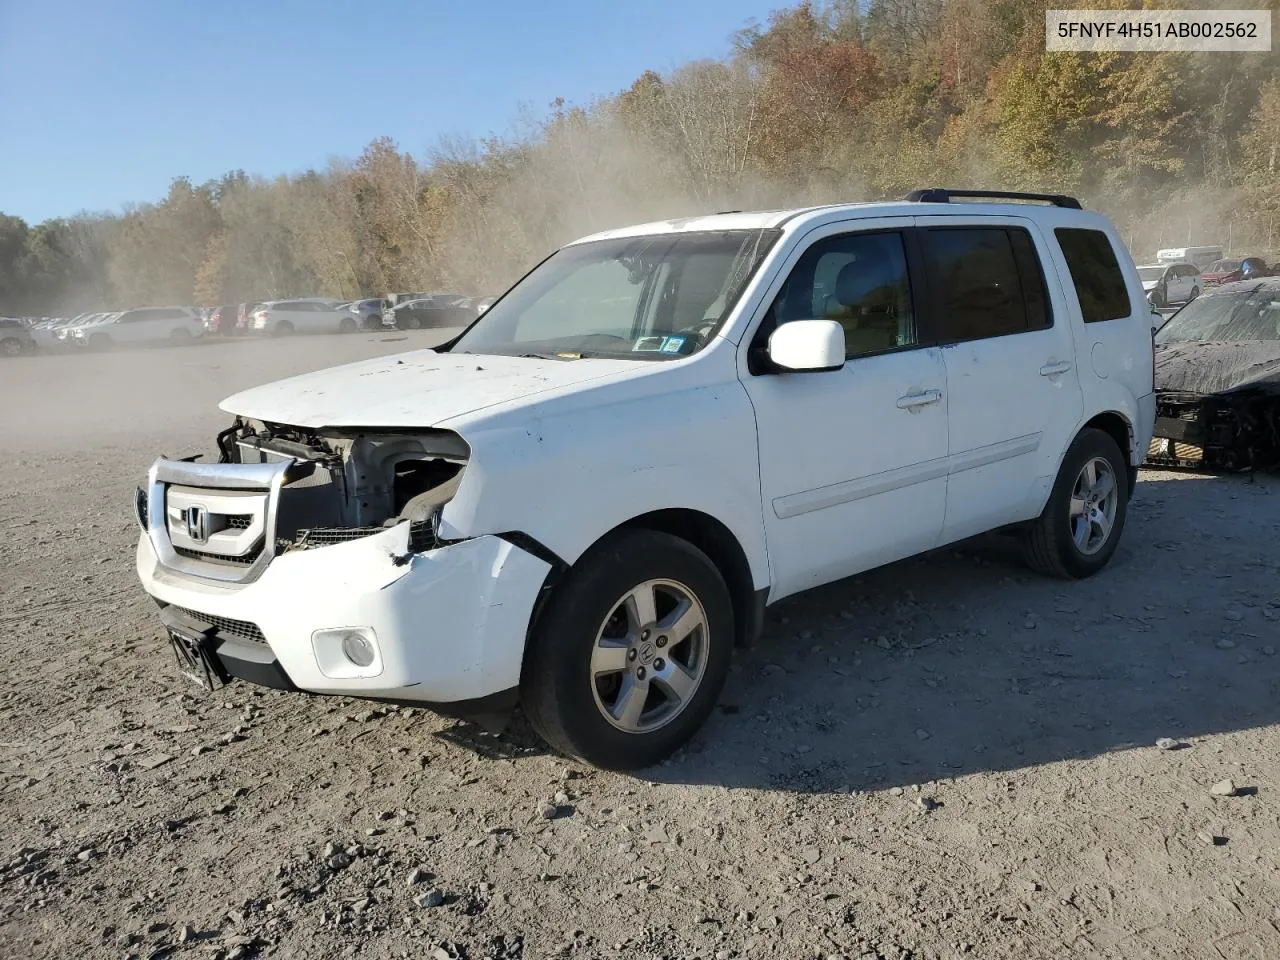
(104, 103)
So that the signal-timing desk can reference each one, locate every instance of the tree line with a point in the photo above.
(848, 100)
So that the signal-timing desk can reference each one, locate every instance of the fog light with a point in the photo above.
(347, 652)
(357, 649)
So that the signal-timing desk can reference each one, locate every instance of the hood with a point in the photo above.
(92, 323)
(1219, 367)
(1219, 275)
(418, 389)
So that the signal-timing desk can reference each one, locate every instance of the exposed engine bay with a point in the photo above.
(1217, 405)
(1234, 431)
(349, 484)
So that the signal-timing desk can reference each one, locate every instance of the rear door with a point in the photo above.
(1013, 393)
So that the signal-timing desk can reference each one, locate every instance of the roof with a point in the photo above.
(798, 219)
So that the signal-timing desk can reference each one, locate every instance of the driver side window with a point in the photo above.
(859, 280)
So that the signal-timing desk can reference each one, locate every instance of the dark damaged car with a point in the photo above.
(1218, 380)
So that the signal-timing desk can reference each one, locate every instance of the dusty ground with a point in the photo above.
(949, 757)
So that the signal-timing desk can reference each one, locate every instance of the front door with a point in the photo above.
(1012, 385)
(852, 461)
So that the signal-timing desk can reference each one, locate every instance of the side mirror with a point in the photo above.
(808, 345)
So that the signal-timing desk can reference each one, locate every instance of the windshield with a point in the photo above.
(642, 298)
(1151, 273)
(1223, 266)
(1238, 315)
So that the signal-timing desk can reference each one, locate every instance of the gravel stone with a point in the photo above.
(1223, 788)
(431, 898)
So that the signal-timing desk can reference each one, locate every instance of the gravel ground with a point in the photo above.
(948, 757)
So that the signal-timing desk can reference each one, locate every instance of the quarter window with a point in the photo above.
(859, 280)
(1096, 274)
(987, 280)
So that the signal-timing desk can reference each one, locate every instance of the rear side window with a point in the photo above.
(1096, 274)
(987, 280)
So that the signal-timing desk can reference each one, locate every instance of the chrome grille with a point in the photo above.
(325, 536)
(244, 561)
(225, 625)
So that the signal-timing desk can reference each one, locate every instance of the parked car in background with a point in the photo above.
(433, 310)
(62, 335)
(368, 312)
(1231, 269)
(221, 320)
(587, 501)
(277, 318)
(15, 337)
(1169, 283)
(144, 325)
(45, 333)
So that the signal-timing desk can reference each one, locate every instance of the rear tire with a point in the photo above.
(11, 347)
(283, 329)
(1081, 525)
(620, 682)
(99, 341)
(180, 335)
(347, 325)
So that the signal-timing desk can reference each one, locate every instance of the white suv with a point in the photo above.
(302, 315)
(587, 498)
(143, 325)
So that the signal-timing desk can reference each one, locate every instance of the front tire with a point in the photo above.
(1081, 525)
(630, 655)
(347, 325)
(11, 347)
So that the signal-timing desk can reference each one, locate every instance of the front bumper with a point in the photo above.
(449, 624)
(1217, 431)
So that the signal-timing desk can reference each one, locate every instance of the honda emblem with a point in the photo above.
(197, 520)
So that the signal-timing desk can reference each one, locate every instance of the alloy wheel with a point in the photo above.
(1094, 499)
(649, 656)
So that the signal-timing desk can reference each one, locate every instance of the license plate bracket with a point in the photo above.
(191, 651)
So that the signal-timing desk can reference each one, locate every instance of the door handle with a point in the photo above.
(1053, 369)
(913, 400)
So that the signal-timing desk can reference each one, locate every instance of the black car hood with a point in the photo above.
(1218, 367)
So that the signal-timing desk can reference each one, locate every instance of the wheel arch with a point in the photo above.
(717, 541)
(709, 535)
(1117, 426)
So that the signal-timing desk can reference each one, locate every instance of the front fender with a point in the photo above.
(568, 477)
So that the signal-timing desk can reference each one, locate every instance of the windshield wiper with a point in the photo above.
(568, 355)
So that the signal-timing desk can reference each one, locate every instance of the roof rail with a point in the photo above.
(943, 195)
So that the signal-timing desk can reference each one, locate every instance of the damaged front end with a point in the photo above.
(277, 489)
(1229, 431)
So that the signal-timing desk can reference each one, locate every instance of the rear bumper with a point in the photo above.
(449, 625)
